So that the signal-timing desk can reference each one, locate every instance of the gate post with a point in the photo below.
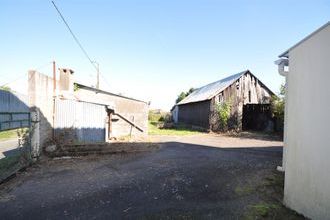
(35, 135)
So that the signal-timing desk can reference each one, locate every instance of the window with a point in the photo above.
(249, 96)
(220, 97)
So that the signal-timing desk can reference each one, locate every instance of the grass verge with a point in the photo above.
(5, 135)
(178, 130)
(270, 206)
(263, 210)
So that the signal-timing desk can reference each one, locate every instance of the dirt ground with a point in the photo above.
(188, 177)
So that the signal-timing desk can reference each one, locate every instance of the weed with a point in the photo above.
(262, 210)
(242, 191)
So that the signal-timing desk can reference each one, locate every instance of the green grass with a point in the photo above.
(4, 135)
(242, 191)
(263, 210)
(178, 130)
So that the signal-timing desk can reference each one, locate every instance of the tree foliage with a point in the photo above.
(278, 106)
(5, 88)
(183, 95)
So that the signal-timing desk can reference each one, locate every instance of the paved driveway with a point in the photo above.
(179, 180)
(9, 148)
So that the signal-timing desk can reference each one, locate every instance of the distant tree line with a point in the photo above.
(6, 88)
(183, 95)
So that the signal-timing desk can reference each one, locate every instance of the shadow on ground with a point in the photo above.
(174, 181)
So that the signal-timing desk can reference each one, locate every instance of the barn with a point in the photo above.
(248, 98)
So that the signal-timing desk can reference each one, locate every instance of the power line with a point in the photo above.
(43, 66)
(78, 42)
(105, 80)
(74, 36)
(23, 75)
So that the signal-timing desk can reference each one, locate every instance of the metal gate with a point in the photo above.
(15, 147)
(256, 117)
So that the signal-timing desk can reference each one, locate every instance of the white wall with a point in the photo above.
(307, 168)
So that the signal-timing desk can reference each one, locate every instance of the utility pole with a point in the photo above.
(54, 77)
(98, 75)
(54, 96)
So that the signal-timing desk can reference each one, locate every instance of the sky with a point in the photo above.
(153, 49)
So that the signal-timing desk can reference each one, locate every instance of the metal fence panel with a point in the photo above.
(15, 150)
(79, 121)
(14, 110)
(13, 102)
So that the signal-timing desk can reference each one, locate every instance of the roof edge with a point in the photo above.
(109, 93)
(194, 101)
(217, 92)
(220, 90)
(286, 53)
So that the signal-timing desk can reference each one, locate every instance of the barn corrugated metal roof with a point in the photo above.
(210, 90)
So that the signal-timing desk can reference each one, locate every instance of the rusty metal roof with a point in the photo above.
(209, 91)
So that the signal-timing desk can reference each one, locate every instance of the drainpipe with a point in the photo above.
(282, 63)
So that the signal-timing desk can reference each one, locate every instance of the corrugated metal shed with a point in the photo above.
(210, 90)
(80, 121)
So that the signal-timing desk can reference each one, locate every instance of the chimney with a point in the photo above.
(66, 80)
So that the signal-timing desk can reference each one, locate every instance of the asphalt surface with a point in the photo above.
(9, 148)
(179, 180)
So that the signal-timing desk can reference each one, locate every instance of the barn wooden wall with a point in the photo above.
(196, 113)
(246, 90)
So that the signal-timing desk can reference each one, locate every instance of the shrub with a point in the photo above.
(223, 110)
(277, 107)
(162, 118)
(5, 88)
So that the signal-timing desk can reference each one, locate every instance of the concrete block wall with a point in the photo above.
(40, 92)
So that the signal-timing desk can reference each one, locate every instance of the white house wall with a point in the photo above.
(307, 175)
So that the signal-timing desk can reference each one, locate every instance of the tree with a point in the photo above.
(183, 95)
(5, 88)
(277, 107)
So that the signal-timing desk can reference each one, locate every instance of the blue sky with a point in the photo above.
(153, 49)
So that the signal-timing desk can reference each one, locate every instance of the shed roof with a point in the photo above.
(209, 91)
(106, 92)
(286, 53)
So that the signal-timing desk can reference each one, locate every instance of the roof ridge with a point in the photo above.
(211, 89)
(240, 73)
